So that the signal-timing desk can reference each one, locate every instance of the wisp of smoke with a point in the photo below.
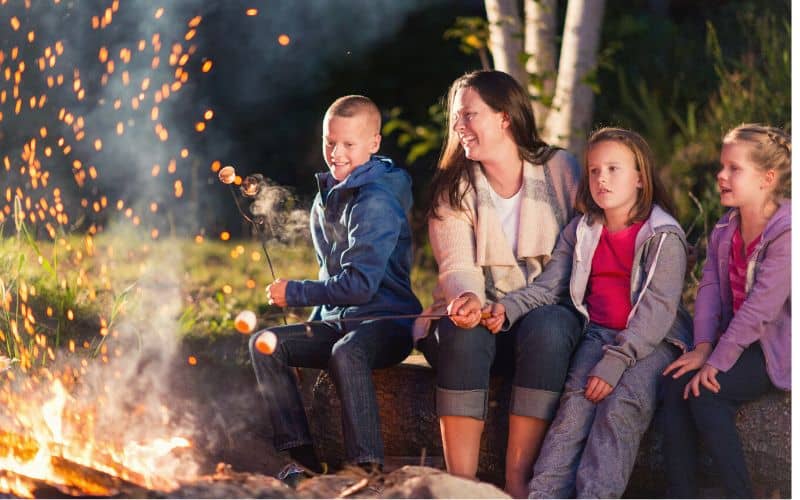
(275, 212)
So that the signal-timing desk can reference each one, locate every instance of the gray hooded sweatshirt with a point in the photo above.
(657, 279)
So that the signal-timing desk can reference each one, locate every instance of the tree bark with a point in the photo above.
(540, 45)
(568, 121)
(505, 38)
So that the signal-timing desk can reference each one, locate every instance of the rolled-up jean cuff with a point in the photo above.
(288, 445)
(536, 403)
(471, 403)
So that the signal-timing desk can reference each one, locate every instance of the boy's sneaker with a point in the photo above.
(292, 474)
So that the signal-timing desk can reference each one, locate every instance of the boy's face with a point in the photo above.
(348, 143)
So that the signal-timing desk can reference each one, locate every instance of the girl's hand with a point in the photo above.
(707, 376)
(692, 360)
(465, 310)
(276, 292)
(597, 389)
(495, 316)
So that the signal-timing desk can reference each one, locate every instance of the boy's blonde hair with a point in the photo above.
(354, 105)
(652, 190)
(771, 149)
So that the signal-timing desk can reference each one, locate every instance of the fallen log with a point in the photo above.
(409, 426)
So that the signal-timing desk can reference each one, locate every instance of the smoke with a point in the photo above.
(275, 212)
(122, 131)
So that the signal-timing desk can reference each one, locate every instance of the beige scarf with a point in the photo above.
(537, 233)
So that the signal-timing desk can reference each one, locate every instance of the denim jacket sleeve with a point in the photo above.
(654, 315)
(765, 302)
(550, 286)
(708, 302)
(373, 229)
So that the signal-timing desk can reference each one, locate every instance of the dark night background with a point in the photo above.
(268, 100)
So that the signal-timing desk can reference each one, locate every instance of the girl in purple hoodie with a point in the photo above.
(742, 324)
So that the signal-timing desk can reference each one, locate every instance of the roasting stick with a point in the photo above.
(267, 341)
(484, 315)
(227, 175)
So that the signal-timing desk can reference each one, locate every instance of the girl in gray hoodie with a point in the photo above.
(622, 265)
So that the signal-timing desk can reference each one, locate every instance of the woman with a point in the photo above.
(500, 199)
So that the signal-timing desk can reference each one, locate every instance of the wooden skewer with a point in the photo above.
(484, 315)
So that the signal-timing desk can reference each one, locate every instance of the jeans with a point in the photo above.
(590, 449)
(714, 415)
(536, 350)
(349, 357)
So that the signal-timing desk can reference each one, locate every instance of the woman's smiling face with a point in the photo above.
(479, 128)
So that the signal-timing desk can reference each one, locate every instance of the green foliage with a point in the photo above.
(472, 34)
(685, 129)
(420, 140)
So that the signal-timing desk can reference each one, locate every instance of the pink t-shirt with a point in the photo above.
(609, 293)
(737, 266)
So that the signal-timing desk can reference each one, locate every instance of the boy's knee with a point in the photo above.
(347, 355)
(254, 352)
(278, 354)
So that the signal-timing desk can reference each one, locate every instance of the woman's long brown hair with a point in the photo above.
(503, 94)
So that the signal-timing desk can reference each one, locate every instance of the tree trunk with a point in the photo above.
(505, 38)
(568, 122)
(540, 46)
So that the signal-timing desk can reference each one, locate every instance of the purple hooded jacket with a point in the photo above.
(765, 315)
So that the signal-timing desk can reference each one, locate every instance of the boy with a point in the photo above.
(362, 240)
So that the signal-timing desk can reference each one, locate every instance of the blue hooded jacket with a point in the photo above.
(362, 240)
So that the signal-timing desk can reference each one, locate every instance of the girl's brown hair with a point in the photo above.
(652, 190)
(771, 150)
(503, 94)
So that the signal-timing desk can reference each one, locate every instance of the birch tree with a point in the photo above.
(563, 101)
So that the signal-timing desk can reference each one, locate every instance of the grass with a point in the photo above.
(75, 292)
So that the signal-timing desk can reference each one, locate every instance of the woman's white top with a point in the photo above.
(508, 210)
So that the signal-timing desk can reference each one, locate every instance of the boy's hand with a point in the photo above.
(597, 389)
(465, 310)
(495, 316)
(707, 376)
(276, 292)
(689, 361)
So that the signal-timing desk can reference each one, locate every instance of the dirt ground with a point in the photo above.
(229, 416)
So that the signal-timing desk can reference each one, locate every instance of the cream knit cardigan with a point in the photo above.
(473, 254)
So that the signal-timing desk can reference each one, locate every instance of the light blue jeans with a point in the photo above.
(590, 449)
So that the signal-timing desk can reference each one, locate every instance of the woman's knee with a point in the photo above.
(549, 331)
(461, 344)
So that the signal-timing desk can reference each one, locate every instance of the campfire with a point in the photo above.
(52, 451)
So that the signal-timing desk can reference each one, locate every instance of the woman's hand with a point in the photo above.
(494, 315)
(465, 310)
(597, 389)
(276, 292)
(692, 360)
(707, 376)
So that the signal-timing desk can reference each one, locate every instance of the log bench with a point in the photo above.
(410, 429)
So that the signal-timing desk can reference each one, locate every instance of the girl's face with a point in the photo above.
(741, 183)
(480, 129)
(614, 181)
